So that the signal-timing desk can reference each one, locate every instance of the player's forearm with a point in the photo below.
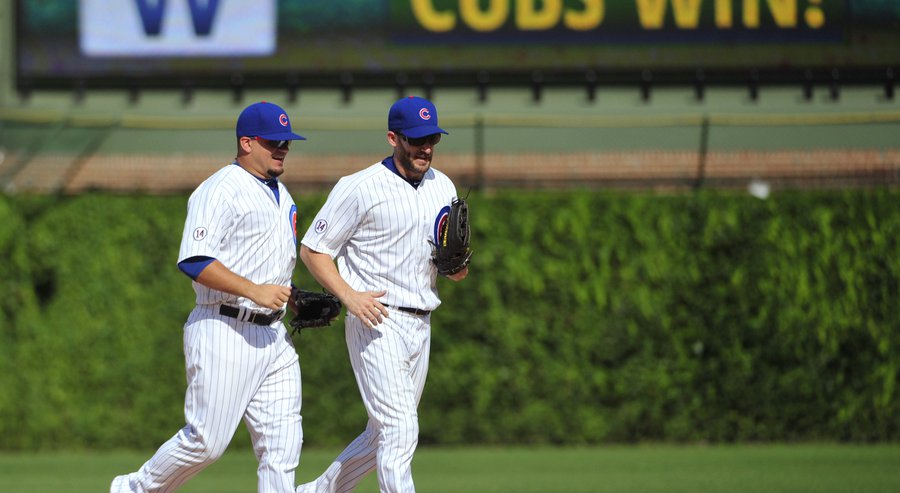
(220, 278)
(322, 268)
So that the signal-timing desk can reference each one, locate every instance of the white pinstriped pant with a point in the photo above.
(235, 370)
(390, 364)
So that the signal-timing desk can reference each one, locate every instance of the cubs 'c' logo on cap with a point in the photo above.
(425, 114)
(282, 119)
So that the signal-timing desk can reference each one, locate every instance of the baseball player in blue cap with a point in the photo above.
(379, 225)
(239, 246)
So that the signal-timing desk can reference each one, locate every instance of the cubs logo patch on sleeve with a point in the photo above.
(293, 218)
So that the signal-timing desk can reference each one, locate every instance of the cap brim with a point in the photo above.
(417, 132)
(283, 136)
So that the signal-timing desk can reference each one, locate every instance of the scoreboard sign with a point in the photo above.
(215, 41)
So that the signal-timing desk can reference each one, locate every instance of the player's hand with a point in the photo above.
(292, 305)
(459, 276)
(271, 296)
(365, 306)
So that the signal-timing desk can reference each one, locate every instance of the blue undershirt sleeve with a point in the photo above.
(194, 266)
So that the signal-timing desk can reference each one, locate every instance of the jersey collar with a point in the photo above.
(272, 183)
(389, 164)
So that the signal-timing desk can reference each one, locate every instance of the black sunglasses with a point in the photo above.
(432, 139)
(278, 144)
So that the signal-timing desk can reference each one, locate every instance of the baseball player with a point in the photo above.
(240, 247)
(379, 224)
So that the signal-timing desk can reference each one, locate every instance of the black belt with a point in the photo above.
(414, 311)
(258, 318)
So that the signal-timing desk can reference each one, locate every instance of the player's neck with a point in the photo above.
(255, 172)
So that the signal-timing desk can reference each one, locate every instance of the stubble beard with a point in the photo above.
(409, 168)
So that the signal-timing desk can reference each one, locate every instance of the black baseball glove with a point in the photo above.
(451, 253)
(313, 309)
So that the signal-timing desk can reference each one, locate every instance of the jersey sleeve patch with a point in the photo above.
(200, 233)
(321, 226)
(293, 218)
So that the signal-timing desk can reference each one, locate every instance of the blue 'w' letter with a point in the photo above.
(203, 16)
(153, 11)
(151, 15)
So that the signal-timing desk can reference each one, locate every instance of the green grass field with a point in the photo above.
(820, 468)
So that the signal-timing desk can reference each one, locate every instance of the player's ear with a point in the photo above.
(393, 139)
(244, 145)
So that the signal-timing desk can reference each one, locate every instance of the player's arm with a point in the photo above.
(364, 305)
(216, 276)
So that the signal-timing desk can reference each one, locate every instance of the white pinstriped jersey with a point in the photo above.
(235, 218)
(380, 229)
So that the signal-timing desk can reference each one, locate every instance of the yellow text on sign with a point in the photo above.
(652, 13)
(540, 15)
(529, 15)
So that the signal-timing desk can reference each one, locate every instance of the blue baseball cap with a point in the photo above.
(414, 117)
(266, 120)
